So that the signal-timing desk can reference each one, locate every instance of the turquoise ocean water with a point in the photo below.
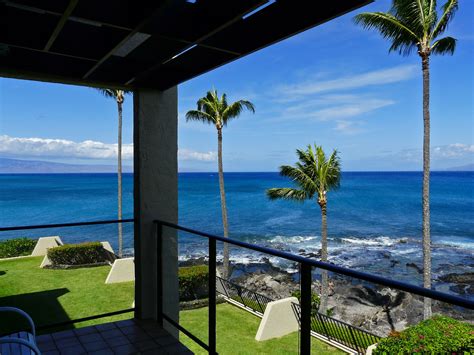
(374, 218)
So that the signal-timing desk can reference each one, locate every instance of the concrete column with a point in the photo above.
(155, 197)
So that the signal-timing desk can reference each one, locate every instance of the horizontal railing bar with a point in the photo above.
(187, 332)
(85, 319)
(61, 225)
(346, 324)
(421, 291)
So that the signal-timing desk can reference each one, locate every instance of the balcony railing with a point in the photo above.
(247, 298)
(354, 338)
(306, 265)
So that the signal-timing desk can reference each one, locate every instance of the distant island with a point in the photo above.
(20, 166)
(468, 167)
(17, 166)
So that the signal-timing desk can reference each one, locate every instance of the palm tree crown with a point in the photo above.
(414, 24)
(118, 95)
(214, 110)
(315, 174)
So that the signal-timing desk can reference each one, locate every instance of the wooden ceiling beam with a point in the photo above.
(62, 21)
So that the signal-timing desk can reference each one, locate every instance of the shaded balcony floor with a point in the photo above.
(129, 336)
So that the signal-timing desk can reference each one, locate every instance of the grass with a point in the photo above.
(333, 329)
(52, 296)
(236, 330)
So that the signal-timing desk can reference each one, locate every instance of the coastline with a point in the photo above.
(378, 309)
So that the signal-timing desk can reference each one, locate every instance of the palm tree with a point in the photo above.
(216, 111)
(119, 97)
(315, 175)
(410, 25)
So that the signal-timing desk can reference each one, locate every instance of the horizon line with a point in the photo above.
(233, 172)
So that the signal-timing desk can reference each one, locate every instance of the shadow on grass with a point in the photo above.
(43, 307)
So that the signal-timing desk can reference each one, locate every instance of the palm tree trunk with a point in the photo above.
(324, 257)
(426, 185)
(119, 176)
(226, 260)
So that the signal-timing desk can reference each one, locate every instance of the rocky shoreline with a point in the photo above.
(379, 310)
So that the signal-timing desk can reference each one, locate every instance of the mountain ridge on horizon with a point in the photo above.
(19, 166)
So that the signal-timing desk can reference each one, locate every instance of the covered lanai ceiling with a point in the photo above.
(145, 44)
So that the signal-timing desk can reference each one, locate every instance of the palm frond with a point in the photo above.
(214, 109)
(445, 45)
(114, 93)
(306, 157)
(404, 40)
(235, 109)
(412, 13)
(109, 93)
(200, 116)
(314, 173)
(449, 9)
(432, 13)
(333, 172)
(286, 193)
(300, 177)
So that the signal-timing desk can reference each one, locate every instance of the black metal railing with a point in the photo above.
(59, 325)
(355, 338)
(248, 298)
(306, 266)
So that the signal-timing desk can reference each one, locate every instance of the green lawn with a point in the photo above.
(236, 330)
(52, 296)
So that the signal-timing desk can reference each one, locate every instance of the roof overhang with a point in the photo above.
(135, 44)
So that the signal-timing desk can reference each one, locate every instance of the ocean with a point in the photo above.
(374, 219)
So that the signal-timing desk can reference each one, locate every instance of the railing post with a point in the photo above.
(323, 324)
(159, 273)
(305, 285)
(356, 344)
(212, 296)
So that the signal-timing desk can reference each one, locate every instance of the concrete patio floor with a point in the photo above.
(129, 336)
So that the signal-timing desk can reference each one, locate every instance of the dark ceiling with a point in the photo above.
(145, 44)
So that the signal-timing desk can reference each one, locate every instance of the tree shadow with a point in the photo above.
(43, 307)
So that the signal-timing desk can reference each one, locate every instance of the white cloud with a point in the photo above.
(62, 148)
(453, 151)
(372, 78)
(350, 110)
(333, 108)
(336, 99)
(448, 152)
(186, 154)
(348, 127)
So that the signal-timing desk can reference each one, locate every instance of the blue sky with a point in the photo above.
(335, 85)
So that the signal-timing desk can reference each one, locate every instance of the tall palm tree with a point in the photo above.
(216, 111)
(415, 25)
(119, 97)
(315, 175)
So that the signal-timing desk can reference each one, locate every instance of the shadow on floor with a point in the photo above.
(43, 307)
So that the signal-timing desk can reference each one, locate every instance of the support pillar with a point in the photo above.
(156, 197)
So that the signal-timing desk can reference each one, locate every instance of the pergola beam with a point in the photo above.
(62, 21)
(201, 39)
